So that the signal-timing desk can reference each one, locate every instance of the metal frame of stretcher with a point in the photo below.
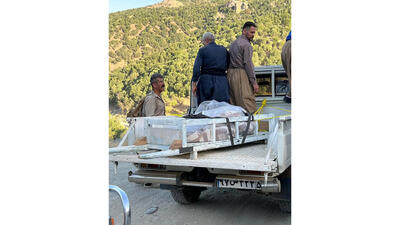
(147, 150)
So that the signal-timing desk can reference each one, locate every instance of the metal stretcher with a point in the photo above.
(158, 133)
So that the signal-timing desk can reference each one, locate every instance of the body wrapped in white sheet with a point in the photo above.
(217, 109)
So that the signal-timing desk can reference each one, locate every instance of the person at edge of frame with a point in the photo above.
(286, 57)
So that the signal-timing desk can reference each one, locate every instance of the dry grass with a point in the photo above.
(116, 65)
(176, 106)
(167, 3)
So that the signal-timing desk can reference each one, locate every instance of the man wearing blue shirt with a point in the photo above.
(209, 71)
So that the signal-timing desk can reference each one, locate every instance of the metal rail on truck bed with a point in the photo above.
(175, 124)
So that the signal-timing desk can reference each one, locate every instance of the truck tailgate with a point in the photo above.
(244, 157)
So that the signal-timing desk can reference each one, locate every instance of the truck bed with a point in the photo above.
(244, 157)
(250, 156)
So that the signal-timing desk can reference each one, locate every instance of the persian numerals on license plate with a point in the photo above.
(240, 184)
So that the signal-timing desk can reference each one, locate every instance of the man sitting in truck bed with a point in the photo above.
(153, 103)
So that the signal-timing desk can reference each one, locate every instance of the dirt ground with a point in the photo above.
(216, 206)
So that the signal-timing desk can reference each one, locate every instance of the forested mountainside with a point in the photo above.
(165, 38)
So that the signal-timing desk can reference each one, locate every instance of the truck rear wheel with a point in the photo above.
(186, 195)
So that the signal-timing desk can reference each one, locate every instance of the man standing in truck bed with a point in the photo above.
(241, 76)
(209, 71)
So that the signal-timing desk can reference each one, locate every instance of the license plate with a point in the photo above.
(239, 184)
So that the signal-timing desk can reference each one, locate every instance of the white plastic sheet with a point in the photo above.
(219, 109)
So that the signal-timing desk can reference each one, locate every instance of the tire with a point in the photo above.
(186, 195)
(285, 206)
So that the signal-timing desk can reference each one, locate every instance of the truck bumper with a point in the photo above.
(153, 178)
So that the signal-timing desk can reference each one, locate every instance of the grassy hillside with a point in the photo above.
(165, 38)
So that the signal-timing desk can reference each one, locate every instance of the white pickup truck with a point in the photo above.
(260, 166)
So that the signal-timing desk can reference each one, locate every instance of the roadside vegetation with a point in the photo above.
(165, 39)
